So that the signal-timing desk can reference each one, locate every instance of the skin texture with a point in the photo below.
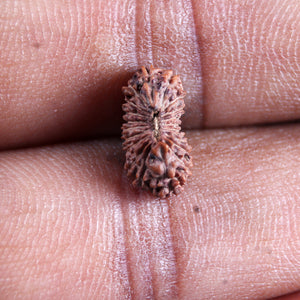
(71, 226)
(62, 71)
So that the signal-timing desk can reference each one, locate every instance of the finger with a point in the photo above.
(72, 226)
(64, 64)
(293, 296)
(59, 78)
(251, 61)
(242, 219)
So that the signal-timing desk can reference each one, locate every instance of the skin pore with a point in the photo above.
(72, 227)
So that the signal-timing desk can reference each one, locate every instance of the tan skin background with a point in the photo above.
(71, 226)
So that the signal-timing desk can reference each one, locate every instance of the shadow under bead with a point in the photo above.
(157, 153)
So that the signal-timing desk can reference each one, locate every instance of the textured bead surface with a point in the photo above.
(157, 153)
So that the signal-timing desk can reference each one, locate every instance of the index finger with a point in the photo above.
(63, 65)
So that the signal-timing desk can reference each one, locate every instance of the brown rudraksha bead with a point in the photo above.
(157, 153)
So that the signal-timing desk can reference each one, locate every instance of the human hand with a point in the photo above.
(72, 227)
